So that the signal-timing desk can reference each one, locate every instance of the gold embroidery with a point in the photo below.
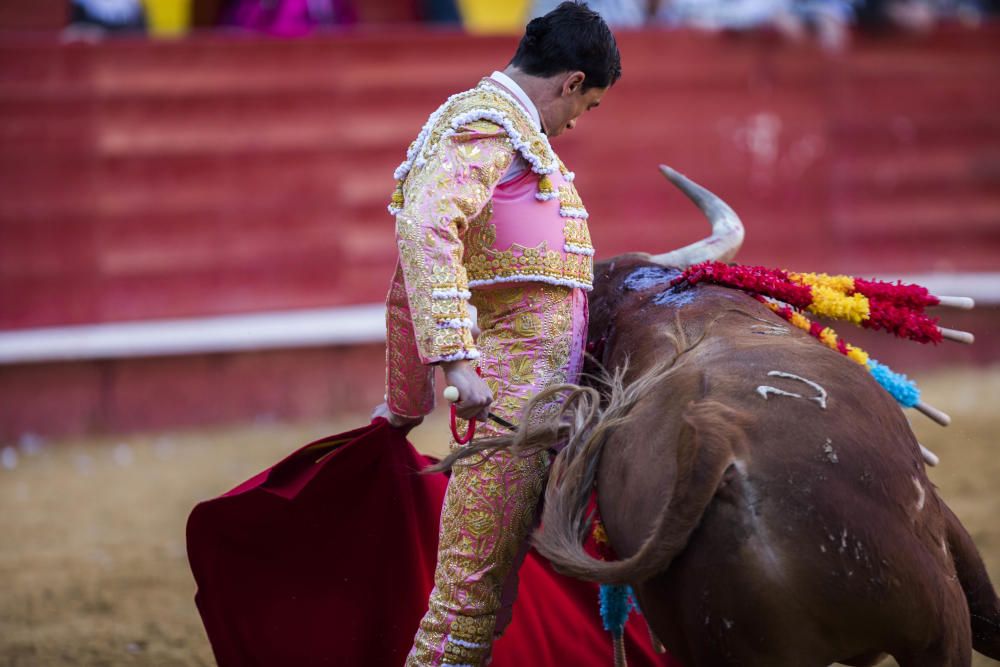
(558, 354)
(409, 384)
(522, 370)
(445, 310)
(538, 146)
(489, 235)
(443, 277)
(455, 654)
(522, 261)
(527, 325)
(576, 232)
(468, 628)
(469, 151)
(479, 523)
(568, 196)
(482, 126)
(447, 338)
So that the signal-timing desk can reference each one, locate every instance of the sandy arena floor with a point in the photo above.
(92, 560)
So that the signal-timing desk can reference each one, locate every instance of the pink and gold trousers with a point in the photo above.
(533, 336)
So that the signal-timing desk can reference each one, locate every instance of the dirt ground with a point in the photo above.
(93, 569)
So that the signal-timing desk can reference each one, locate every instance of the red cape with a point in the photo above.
(328, 558)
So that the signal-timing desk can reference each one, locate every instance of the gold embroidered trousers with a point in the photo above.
(532, 337)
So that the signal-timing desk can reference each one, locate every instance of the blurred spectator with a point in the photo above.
(288, 17)
(492, 17)
(407, 11)
(107, 15)
(919, 15)
(616, 13)
(293, 17)
(441, 11)
(828, 20)
(207, 13)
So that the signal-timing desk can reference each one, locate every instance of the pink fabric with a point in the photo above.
(520, 218)
(533, 336)
(580, 314)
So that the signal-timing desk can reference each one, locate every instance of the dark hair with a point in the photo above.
(572, 37)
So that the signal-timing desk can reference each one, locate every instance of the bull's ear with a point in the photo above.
(727, 230)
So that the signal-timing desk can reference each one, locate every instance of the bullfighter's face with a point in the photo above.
(571, 102)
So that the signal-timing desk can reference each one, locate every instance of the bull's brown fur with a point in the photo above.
(756, 530)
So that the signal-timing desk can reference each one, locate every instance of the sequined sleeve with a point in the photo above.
(409, 384)
(450, 188)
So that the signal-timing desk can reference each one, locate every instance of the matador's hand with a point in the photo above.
(474, 394)
(397, 421)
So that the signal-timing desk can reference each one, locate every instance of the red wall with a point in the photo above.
(41, 15)
(231, 174)
(211, 175)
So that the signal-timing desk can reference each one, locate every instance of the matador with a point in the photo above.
(486, 213)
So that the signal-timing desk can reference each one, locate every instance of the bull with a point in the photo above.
(766, 498)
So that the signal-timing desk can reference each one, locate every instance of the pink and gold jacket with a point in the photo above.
(459, 228)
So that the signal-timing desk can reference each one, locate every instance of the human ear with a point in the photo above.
(573, 83)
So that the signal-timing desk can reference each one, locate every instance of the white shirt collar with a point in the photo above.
(519, 93)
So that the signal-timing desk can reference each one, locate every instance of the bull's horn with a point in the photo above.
(727, 230)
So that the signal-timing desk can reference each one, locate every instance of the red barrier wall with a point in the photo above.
(211, 175)
(42, 15)
(224, 174)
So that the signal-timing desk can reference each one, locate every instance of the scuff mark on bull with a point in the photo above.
(673, 298)
(765, 390)
(646, 277)
(921, 494)
(769, 329)
(831, 454)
